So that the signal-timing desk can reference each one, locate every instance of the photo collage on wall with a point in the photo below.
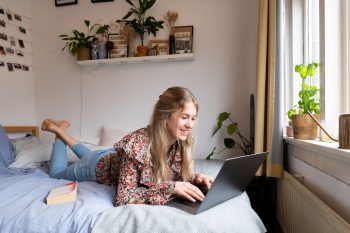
(15, 42)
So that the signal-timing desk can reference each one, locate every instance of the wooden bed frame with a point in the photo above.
(33, 130)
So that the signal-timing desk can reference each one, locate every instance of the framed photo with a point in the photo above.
(183, 39)
(183, 45)
(120, 46)
(161, 46)
(65, 2)
(152, 51)
(163, 50)
(183, 31)
(96, 1)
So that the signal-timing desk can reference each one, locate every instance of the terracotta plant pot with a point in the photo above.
(83, 54)
(304, 127)
(141, 51)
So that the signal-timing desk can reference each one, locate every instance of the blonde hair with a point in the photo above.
(171, 101)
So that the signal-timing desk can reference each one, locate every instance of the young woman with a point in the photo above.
(148, 166)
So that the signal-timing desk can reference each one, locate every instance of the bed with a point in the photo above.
(24, 185)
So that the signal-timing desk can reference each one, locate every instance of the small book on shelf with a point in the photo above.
(63, 194)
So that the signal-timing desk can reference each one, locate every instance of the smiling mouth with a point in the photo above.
(183, 131)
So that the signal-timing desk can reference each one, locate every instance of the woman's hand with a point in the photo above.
(202, 179)
(188, 191)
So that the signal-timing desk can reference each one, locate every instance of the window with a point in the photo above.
(319, 32)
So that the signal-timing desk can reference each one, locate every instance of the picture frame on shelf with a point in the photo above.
(183, 45)
(161, 46)
(163, 50)
(59, 3)
(152, 51)
(183, 31)
(183, 39)
(97, 1)
(120, 46)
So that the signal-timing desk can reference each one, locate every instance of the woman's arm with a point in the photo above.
(129, 191)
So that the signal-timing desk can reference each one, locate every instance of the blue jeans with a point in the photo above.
(82, 170)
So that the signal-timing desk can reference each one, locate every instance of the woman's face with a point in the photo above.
(181, 122)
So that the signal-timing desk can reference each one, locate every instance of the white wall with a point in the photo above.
(17, 101)
(222, 76)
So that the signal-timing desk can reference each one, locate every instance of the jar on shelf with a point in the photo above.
(102, 51)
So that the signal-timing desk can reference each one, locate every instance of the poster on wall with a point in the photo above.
(9, 66)
(65, 2)
(2, 23)
(16, 47)
(2, 51)
(18, 17)
(96, 1)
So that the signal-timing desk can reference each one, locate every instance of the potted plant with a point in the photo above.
(304, 127)
(235, 138)
(80, 43)
(142, 23)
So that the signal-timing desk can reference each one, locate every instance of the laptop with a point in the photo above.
(231, 181)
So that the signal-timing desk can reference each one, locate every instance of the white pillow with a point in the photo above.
(30, 152)
(109, 136)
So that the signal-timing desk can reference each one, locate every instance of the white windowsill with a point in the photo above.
(329, 148)
(325, 156)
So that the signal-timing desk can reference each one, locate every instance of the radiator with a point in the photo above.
(300, 211)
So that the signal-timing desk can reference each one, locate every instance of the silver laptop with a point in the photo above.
(231, 181)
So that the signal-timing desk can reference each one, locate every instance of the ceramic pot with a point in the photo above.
(304, 127)
(141, 51)
(83, 54)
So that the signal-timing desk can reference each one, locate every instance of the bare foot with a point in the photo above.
(64, 124)
(53, 125)
(48, 125)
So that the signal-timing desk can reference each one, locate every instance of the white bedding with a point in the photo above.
(234, 215)
(23, 209)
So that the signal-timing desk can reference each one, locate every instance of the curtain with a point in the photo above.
(269, 118)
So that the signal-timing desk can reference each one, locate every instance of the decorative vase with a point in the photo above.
(94, 52)
(83, 54)
(304, 127)
(102, 51)
(171, 44)
(142, 51)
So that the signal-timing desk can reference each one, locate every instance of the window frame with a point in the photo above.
(334, 81)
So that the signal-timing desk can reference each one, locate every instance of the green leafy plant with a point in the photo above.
(82, 40)
(142, 24)
(234, 138)
(308, 95)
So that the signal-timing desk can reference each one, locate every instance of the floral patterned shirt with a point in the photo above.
(130, 170)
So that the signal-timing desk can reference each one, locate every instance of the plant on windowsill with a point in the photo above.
(142, 24)
(234, 139)
(80, 43)
(304, 127)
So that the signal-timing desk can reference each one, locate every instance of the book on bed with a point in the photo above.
(63, 194)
